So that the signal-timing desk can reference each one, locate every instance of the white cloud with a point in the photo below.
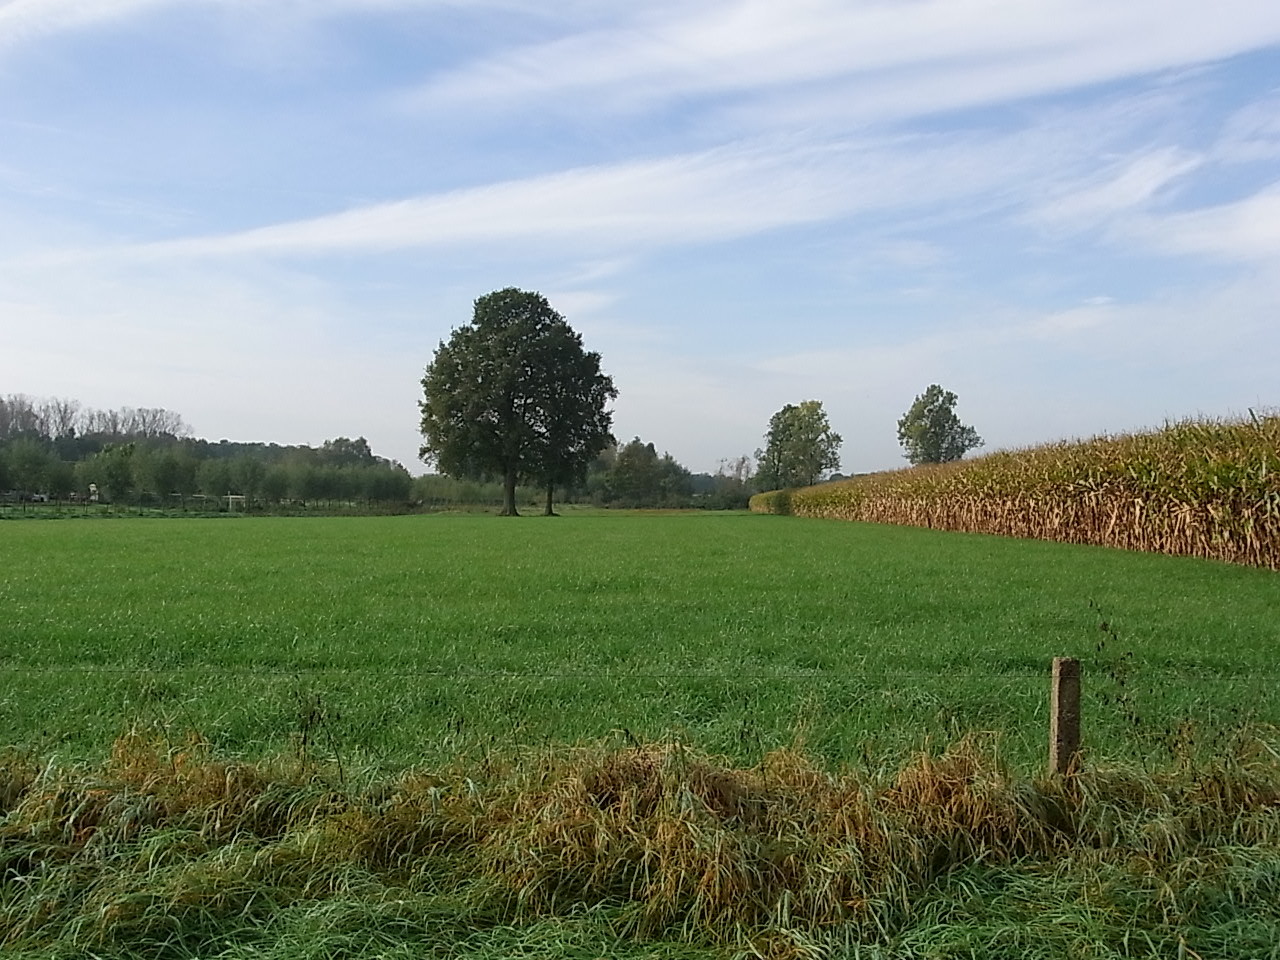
(22, 21)
(1252, 134)
(1125, 187)
(611, 212)
(1246, 230)
(884, 55)
(689, 198)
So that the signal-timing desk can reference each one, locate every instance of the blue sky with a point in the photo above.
(266, 214)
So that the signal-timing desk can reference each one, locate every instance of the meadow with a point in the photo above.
(683, 735)
(414, 639)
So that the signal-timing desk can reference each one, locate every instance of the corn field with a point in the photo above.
(1204, 488)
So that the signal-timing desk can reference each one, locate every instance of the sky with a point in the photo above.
(265, 215)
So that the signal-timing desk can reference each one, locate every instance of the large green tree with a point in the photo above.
(572, 416)
(800, 447)
(513, 395)
(930, 432)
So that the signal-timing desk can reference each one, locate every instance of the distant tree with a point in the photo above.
(930, 432)
(115, 468)
(634, 479)
(800, 447)
(28, 462)
(60, 478)
(158, 472)
(186, 475)
(275, 483)
(641, 478)
(346, 483)
(387, 484)
(308, 482)
(86, 473)
(341, 452)
(19, 417)
(60, 417)
(247, 474)
(675, 482)
(214, 478)
(513, 395)
(731, 486)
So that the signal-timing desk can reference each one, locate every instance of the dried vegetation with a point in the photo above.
(1205, 488)
(166, 849)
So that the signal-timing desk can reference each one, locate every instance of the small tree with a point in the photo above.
(161, 471)
(186, 474)
(117, 470)
(640, 477)
(799, 448)
(275, 483)
(247, 474)
(60, 478)
(930, 432)
(29, 462)
(634, 479)
(214, 478)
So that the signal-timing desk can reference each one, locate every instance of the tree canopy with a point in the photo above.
(513, 394)
(930, 432)
(800, 447)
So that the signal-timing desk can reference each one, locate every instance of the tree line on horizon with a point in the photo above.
(57, 449)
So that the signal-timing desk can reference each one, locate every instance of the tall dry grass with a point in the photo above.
(1205, 488)
(170, 846)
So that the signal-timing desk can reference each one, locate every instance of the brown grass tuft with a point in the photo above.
(677, 843)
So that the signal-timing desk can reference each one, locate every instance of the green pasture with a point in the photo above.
(388, 642)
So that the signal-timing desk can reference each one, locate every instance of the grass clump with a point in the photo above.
(171, 851)
(1197, 487)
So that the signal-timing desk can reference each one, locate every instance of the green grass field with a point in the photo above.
(420, 638)
(342, 652)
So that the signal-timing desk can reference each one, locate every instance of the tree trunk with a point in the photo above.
(550, 512)
(509, 495)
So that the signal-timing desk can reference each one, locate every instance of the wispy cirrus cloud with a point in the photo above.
(1245, 230)
(1252, 134)
(686, 198)
(22, 21)
(619, 210)
(1117, 189)
(874, 57)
